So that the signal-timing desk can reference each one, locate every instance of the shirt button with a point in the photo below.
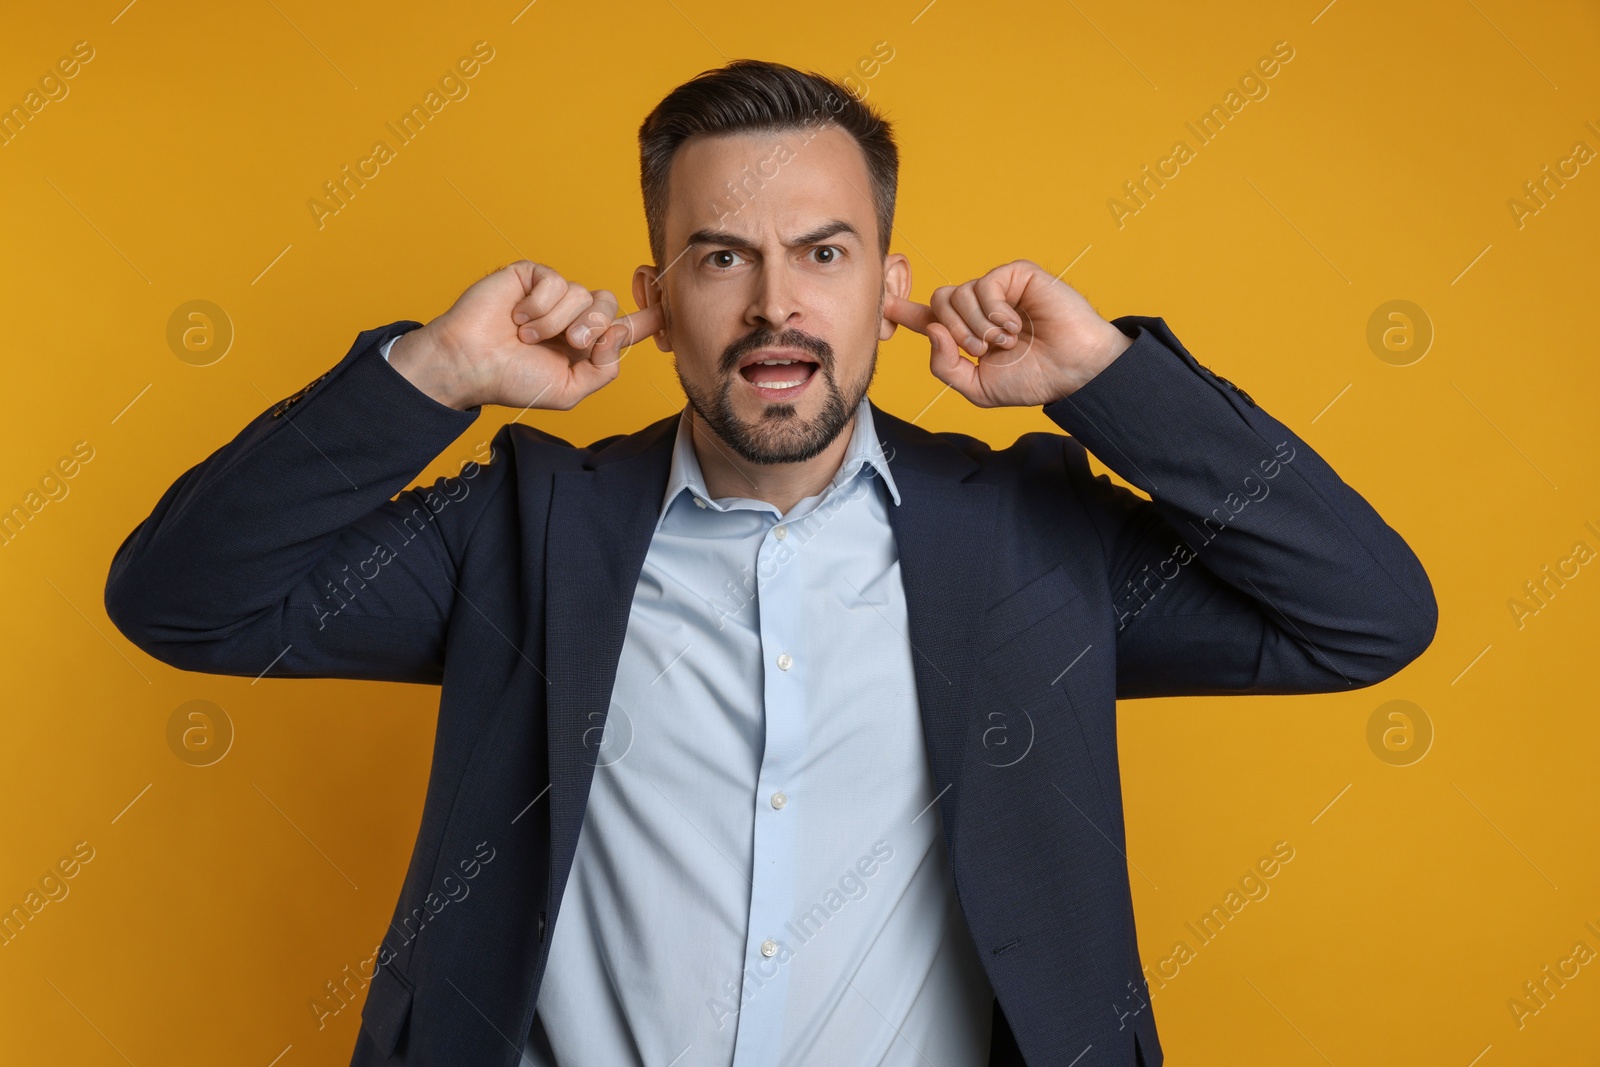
(784, 662)
(699, 503)
(779, 800)
(769, 947)
(780, 532)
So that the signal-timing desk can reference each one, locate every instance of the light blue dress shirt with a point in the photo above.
(761, 878)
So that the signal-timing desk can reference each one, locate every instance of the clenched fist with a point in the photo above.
(1036, 339)
(522, 337)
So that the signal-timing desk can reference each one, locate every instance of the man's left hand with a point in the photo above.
(1035, 339)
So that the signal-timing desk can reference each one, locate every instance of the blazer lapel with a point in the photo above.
(944, 528)
(601, 519)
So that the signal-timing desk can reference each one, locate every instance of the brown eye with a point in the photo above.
(829, 251)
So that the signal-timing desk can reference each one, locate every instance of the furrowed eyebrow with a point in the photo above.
(831, 228)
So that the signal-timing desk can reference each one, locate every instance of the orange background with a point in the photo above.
(1378, 167)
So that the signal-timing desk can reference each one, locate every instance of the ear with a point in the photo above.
(896, 280)
(646, 293)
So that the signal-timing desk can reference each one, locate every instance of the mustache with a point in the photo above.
(769, 338)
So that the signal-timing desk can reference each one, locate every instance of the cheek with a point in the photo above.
(856, 340)
(708, 318)
(700, 340)
(694, 339)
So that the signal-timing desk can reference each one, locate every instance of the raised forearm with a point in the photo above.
(1250, 503)
(203, 582)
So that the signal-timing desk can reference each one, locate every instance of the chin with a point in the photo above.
(794, 440)
(777, 431)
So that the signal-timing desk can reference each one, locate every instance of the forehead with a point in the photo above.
(773, 180)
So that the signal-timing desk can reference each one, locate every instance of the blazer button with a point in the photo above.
(541, 928)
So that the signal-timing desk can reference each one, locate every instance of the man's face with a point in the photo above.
(772, 248)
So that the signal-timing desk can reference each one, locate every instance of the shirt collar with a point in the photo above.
(864, 449)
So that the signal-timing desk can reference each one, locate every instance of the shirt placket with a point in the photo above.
(778, 801)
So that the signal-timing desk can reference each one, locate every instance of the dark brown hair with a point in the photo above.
(753, 95)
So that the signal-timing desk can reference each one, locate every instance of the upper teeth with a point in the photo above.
(776, 362)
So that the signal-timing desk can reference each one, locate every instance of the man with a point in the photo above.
(781, 731)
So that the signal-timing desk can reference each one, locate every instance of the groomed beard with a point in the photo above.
(780, 435)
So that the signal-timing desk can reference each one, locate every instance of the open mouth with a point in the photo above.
(779, 377)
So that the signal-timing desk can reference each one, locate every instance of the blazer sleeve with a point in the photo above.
(295, 549)
(1252, 568)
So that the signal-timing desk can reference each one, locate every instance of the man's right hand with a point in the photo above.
(523, 337)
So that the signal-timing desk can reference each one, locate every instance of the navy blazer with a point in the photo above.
(1037, 593)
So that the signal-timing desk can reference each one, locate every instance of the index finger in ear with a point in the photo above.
(642, 323)
(908, 313)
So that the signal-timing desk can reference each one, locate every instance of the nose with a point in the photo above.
(776, 301)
